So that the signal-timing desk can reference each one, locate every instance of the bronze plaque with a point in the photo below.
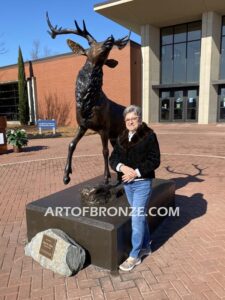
(47, 248)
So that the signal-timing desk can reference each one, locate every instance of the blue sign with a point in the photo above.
(46, 125)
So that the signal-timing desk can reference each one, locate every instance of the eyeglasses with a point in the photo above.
(131, 119)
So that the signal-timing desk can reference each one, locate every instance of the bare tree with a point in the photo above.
(3, 50)
(54, 108)
(47, 51)
(36, 52)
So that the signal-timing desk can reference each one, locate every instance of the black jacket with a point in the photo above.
(142, 152)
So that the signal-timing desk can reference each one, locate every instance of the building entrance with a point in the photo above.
(221, 104)
(179, 105)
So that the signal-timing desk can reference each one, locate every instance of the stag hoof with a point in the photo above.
(66, 179)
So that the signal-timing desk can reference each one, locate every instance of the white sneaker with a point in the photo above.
(130, 263)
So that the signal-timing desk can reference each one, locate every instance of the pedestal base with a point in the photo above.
(105, 238)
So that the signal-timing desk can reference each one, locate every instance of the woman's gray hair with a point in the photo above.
(132, 108)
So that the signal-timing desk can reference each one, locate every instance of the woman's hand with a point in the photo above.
(129, 173)
(128, 178)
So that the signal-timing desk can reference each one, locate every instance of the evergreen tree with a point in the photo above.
(22, 88)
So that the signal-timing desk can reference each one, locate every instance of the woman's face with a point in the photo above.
(132, 121)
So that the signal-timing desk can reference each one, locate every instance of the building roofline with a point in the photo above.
(8, 66)
(8, 82)
(51, 57)
(110, 3)
(39, 59)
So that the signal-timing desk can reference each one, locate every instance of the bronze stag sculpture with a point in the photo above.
(93, 109)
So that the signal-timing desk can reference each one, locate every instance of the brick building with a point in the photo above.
(51, 84)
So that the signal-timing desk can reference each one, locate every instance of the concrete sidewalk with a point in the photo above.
(188, 261)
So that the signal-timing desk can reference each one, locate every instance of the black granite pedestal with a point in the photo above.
(106, 238)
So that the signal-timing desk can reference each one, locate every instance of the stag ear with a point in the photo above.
(76, 48)
(111, 63)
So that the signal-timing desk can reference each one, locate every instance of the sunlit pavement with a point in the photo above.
(188, 261)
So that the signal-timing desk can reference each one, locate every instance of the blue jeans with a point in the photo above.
(138, 194)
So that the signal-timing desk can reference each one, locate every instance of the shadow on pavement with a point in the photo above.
(34, 148)
(29, 149)
(183, 181)
(189, 209)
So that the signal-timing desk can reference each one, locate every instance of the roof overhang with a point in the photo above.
(134, 13)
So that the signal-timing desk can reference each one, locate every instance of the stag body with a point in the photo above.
(93, 109)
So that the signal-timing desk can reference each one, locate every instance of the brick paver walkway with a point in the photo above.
(188, 261)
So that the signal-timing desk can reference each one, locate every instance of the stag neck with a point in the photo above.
(90, 67)
(91, 77)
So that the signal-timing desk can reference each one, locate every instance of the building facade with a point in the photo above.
(183, 56)
(51, 85)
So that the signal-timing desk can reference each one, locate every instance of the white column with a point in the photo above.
(150, 72)
(34, 90)
(30, 104)
(209, 67)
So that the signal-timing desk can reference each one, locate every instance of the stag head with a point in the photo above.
(98, 52)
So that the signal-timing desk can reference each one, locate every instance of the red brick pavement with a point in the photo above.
(188, 261)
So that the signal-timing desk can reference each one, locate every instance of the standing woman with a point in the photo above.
(135, 157)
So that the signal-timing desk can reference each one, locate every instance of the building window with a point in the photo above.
(180, 53)
(9, 101)
(222, 51)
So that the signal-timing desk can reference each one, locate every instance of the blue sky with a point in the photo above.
(23, 22)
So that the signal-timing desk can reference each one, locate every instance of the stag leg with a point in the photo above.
(105, 152)
(119, 179)
(72, 146)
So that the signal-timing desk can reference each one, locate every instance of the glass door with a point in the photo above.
(222, 104)
(178, 106)
(165, 106)
(192, 105)
(181, 105)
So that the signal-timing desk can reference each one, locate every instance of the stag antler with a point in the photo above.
(121, 43)
(56, 31)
